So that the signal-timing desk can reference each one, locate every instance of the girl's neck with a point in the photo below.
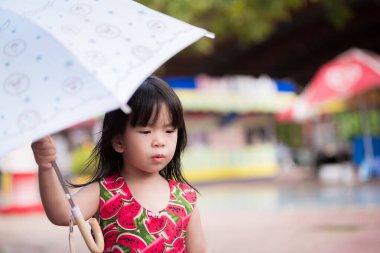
(150, 190)
(140, 176)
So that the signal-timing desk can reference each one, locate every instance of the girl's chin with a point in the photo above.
(153, 169)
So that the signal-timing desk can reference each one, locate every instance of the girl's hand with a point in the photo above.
(44, 152)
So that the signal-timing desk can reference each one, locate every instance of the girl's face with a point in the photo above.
(148, 149)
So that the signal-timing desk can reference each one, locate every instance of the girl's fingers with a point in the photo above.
(44, 152)
(43, 142)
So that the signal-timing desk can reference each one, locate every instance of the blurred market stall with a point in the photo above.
(340, 107)
(231, 125)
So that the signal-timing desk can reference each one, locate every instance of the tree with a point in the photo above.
(247, 21)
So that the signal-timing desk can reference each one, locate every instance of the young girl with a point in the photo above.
(138, 192)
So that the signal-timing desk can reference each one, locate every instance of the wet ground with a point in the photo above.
(257, 216)
(292, 217)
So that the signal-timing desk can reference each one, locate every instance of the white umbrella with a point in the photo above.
(62, 62)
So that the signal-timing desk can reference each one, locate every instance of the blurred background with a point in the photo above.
(285, 156)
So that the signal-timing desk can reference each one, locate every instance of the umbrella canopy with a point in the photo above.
(349, 74)
(63, 62)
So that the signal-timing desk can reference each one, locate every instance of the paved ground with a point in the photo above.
(285, 218)
(265, 217)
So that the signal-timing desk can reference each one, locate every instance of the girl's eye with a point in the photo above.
(144, 132)
(171, 131)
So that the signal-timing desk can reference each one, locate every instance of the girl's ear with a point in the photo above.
(117, 143)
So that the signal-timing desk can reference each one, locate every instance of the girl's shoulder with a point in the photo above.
(110, 185)
(181, 185)
(186, 191)
(110, 178)
(112, 181)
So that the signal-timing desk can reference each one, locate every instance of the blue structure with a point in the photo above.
(188, 82)
(371, 168)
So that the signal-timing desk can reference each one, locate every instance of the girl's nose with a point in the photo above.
(158, 141)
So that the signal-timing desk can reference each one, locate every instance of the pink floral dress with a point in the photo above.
(129, 227)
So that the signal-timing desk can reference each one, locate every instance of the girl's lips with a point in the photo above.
(158, 158)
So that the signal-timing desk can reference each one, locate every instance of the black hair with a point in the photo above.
(145, 104)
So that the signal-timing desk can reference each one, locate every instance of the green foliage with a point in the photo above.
(245, 20)
(337, 12)
(350, 124)
(290, 134)
(79, 158)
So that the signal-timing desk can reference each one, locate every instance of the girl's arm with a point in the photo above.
(195, 238)
(53, 198)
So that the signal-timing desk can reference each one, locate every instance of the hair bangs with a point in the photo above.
(143, 106)
(175, 111)
(147, 102)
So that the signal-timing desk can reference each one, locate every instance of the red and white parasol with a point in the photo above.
(349, 74)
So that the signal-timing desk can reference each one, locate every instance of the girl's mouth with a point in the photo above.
(158, 158)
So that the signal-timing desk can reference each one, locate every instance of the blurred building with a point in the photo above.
(231, 125)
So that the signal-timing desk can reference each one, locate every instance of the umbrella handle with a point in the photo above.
(94, 245)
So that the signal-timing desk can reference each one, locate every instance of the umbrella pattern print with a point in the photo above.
(62, 62)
